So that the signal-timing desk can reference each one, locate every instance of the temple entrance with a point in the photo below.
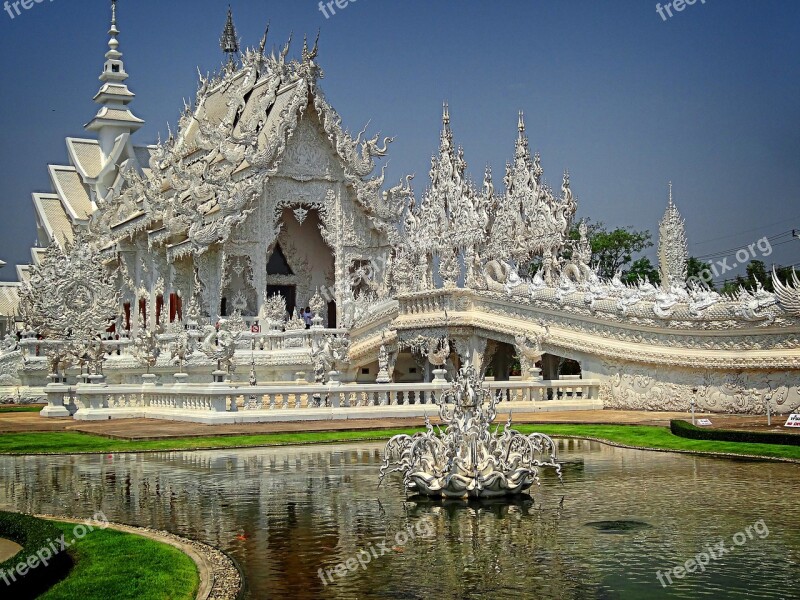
(332, 314)
(289, 293)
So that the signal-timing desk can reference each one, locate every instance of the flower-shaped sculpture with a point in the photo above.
(467, 460)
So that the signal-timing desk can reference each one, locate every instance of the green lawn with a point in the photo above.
(71, 442)
(630, 435)
(16, 408)
(661, 438)
(111, 564)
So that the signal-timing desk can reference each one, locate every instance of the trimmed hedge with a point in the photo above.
(687, 430)
(35, 536)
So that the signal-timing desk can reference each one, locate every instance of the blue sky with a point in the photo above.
(709, 98)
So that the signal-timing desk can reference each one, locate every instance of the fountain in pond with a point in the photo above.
(466, 459)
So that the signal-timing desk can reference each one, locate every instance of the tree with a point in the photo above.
(757, 274)
(642, 269)
(613, 251)
(697, 270)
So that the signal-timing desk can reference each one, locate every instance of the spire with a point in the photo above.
(447, 133)
(672, 246)
(114, 95)
(521, 124)
(263, 45)
(229, 42)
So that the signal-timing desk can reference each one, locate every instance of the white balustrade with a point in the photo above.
(180, 400)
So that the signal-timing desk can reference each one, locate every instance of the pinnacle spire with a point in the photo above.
(114, 69)
(229, 42)
(447, 134)
(671, 203)
(263, 45)
(114, 96)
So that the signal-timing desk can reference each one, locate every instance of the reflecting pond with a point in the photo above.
(290, 515)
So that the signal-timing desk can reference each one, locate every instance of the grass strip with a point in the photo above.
(638, 436)
(661, 438)
(123, 566)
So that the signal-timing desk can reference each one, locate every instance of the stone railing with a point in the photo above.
(227, 403)
(269, 340)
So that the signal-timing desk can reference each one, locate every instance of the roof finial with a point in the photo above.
(263, 46)
(113, 43)
(229, 42)
(521, 122)
(446, 115)
(670, 194)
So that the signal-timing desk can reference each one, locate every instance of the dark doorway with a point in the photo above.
(332, 314)
(277, 264)
(289, 294)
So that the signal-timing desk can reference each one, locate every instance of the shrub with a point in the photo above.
(35, 536)
(687, 430)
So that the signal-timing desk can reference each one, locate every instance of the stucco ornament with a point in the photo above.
(788, 294)
(673, 249)
(219, 342)
(146, 345)
(467, 459)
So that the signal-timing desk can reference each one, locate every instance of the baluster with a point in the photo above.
(271, 398)
(393, 397)
(285, 404)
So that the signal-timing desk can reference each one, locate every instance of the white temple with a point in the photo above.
(199, 253)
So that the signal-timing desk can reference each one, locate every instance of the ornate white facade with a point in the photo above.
(261, 202)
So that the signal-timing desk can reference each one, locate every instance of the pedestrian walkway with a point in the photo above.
(149, 429)
(8, 549)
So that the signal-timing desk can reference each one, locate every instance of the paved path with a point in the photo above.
(150, 429)
(8, 549)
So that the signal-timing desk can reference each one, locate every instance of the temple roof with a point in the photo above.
(9, 298)
(72, 191)
(53, 217)
(86, 156)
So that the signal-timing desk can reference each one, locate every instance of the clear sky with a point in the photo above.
(627, 101)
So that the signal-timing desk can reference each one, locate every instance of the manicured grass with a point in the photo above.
(71, 442)
(643, 436)
(640, 436)
(16, 408)
(111, 564)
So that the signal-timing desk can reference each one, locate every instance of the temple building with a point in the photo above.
(261, 204)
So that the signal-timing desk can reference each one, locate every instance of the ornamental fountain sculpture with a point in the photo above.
(466, 459)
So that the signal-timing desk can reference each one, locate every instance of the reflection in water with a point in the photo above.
(286, 513)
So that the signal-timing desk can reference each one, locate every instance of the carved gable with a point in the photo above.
(309, 154)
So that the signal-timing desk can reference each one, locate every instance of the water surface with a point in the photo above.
(288, 514)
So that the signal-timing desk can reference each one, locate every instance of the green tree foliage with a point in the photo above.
(614, 250)
(697, 270)
(757, 274)
(642, 268)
